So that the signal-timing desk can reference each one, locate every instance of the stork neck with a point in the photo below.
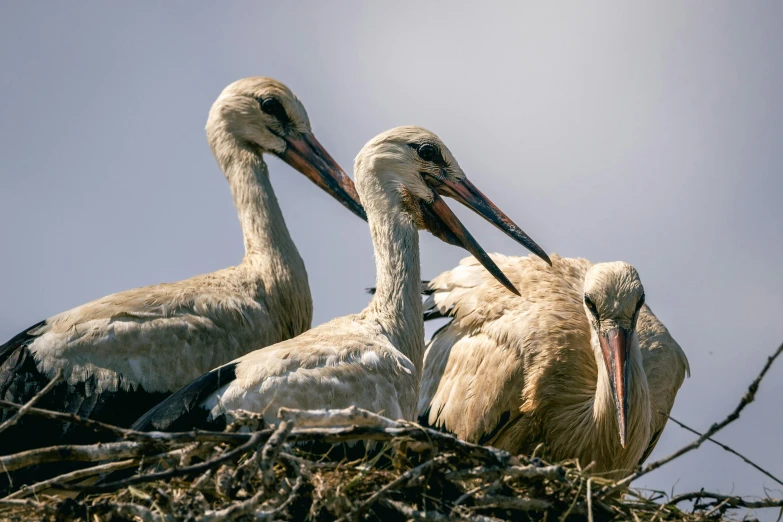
(272, 266)
(397, 301)
(264, 230)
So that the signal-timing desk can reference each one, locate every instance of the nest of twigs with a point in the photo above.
(347, 465)
(282, 473)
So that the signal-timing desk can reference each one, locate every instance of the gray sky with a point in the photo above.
(648, 132)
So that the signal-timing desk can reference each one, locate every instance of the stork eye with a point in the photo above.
(428, 152)
(273, 107)
(591, 306)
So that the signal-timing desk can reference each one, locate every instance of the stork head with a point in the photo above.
(413, 168)
(264, 115)
(613, 296)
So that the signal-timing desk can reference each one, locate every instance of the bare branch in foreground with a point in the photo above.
(24, 409)
(74, 475)
(729, 449)
(123, 433)
(91, 453)
(514, 503)
(406, 477)
(731, 500)
(352, 416)
(37, 506)
(749, 396)
(255, 439)
(273, 478)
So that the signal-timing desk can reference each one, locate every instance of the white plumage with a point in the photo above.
(154, 340)
(515, 372)
(372, 359)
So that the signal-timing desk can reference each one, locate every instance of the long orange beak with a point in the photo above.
(615, 345)
(305, 154)
(469, 195)
(441, 221)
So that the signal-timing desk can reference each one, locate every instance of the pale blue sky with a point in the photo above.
(651, 133)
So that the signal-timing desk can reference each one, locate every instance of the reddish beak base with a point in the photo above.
(615, 345)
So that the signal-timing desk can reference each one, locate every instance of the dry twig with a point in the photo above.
(24, 409)
(749, 396)
(89, 453)
(271, 478)
(729, 449)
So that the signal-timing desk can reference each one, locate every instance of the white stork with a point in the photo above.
(579, 363)
(373, 359)
(123, 353)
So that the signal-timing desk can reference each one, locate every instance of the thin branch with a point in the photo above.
(527, 472)
(38, 506)
(24, 409)
(352, 416)
(367, 430)
(406, 477)
(730, 450)
(410, 431)
(513, 503)
(74, 475)
(66, 417)
(128, 511)
(589, 497)
(430, 516)
(91, 453)
(732, 500)
(255, 439)
(263, 495)
(248, 506)
(718, 507)
(271, 451)
(749, 396)
(154, 436)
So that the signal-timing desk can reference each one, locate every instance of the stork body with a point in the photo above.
(546, 368)
(123, 353)
(372, 359)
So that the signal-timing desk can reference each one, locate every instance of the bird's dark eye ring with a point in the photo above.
(427, 152)
(273, 107)
(591, 305)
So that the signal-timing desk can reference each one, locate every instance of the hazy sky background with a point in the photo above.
(650, 133)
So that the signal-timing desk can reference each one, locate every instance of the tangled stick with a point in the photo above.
(747, 398)
(24, 409)
(433, 476)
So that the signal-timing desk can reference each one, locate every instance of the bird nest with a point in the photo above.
(251, 472)
(347, 465)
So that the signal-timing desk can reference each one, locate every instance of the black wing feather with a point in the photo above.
(22, 339)
(181, 411)
(21, 380)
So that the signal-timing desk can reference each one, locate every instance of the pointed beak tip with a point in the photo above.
(469, 195)
(305, 154)
(450, 229)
